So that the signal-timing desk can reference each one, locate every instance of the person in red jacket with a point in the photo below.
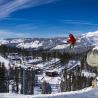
(71, 40)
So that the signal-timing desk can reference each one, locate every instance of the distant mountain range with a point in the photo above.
(84, 40)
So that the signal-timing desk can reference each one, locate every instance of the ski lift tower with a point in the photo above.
(92, 58)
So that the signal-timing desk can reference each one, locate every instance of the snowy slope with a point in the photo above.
(84, 43)
(92, 37)
(88, 39)
(84, 93)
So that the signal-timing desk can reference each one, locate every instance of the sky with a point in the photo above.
(47, 18)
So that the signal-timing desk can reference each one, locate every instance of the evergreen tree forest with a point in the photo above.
(22, 80)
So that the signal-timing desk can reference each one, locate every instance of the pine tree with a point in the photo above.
(28, 81)
(3, 81)
(17, 79)
(31, 81)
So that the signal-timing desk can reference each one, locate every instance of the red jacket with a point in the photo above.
(71, 39)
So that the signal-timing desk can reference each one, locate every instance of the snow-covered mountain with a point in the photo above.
(33, 44)
(93, 37)
(84, 40)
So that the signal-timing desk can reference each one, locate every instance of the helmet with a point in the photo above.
(70, 34)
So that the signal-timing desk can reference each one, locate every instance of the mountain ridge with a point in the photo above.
(87, 39)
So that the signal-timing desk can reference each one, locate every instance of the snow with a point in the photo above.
(87, 39)
(5, 61)
(71, 64)
(16, 41)
(84, 93)
(31, 60)
(92, 36)
(52, 80)
(63, 46)
(64, 41)
(3, 42)
(48, 63)
(87, 74)
(95, 48)
(33, 44)
(37, 90)
(40, 65)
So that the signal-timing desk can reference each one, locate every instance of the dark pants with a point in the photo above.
(71, 45)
